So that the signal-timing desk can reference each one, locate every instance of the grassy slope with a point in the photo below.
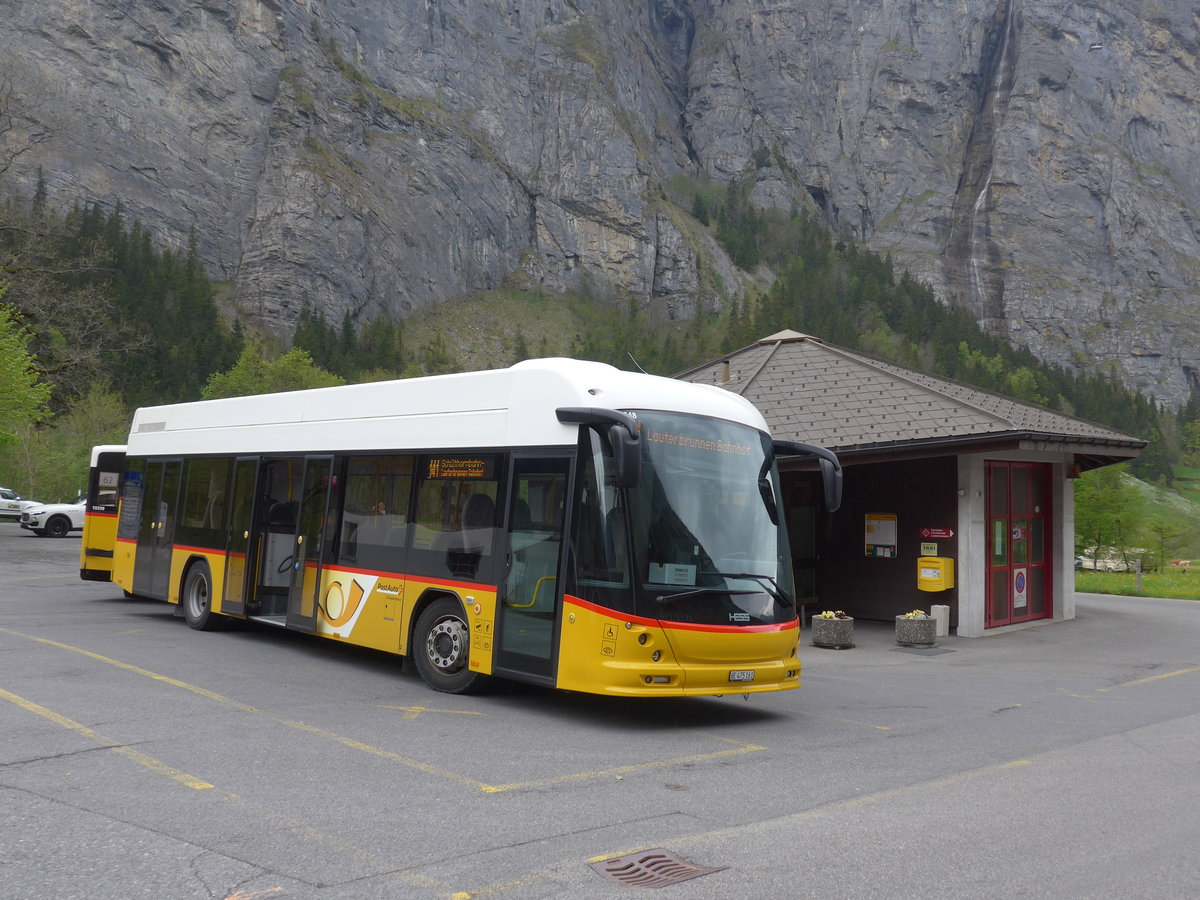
(485, 329)
(1178, 511)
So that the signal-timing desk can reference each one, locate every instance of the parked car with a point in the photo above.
(55, 519)
(1113, 560)
(12, 504)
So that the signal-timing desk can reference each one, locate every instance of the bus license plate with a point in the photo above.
(741, 675)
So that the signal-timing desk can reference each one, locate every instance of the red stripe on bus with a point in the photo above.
(423, 579)
(209, 550)
(681, 626)
(100, 515)
(457, 585)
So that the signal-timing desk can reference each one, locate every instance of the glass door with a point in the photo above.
(530, 600)
(311, 520)
(243, 539)
(156, 531)
(1019, 570)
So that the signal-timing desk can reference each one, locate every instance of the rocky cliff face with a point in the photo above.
(1032, 161)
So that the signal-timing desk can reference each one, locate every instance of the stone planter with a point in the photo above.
(916, 632)
(834, 634)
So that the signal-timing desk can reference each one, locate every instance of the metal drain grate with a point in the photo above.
(651, 868)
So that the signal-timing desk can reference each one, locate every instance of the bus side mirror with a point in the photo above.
(622, 435)
(627, 457)
(831, 479)
(831, 469)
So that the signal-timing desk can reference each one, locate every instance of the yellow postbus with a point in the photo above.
(558, 522)
(100, 512)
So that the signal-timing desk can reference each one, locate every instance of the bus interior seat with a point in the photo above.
(479, 511)
(282, 515)
(476, 522)
(522, 518)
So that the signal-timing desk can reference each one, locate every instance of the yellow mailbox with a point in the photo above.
(935, 573)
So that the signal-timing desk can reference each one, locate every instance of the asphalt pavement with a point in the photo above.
(141, 759)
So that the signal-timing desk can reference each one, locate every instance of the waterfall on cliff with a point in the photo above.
(972, 263)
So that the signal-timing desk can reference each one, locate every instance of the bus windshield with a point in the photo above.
(710, 544)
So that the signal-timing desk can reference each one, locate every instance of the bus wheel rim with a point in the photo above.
(446, 644)
(198, 597)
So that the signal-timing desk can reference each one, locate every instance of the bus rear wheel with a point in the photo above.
(197, 599)
(442, 647)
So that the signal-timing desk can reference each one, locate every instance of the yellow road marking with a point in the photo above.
(301, 829)
(137, 756)
(242, 707)
(411, 712)
(849, 721)
(739, 749)
(1151, 678)
(380, 752)
(739, 746)
(126, 666)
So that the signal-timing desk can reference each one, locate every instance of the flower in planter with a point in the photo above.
(833, 629)
(916, 614)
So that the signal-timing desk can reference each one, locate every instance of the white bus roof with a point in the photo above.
(512, 407)
(105, 448)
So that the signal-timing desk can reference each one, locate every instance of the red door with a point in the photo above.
(1018, 542)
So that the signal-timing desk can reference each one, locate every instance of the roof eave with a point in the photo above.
(1096, 449)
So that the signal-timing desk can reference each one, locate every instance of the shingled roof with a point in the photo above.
(859, 407)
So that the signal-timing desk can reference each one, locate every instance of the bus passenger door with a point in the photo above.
(530, 600)
(156, 531)
(306, 550)
(240, 563)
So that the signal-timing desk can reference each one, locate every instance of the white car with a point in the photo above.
(11, 504)
(1112, 560)
(55, 519)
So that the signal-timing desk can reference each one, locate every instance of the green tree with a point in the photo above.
(738, 226)
(24, 398)
(313, 334)
(381, 347)
(1108, 513)
(1191, 443)
(51, 460)
(255, 374)
(436, 356)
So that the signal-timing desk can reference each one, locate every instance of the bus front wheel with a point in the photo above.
(442, 647)
(197, 599)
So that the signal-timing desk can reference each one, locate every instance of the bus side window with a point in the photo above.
(202, 518)
(455, 527)
(375, 517)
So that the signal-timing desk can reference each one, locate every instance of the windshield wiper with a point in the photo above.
(773, 588)
(667, 598)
